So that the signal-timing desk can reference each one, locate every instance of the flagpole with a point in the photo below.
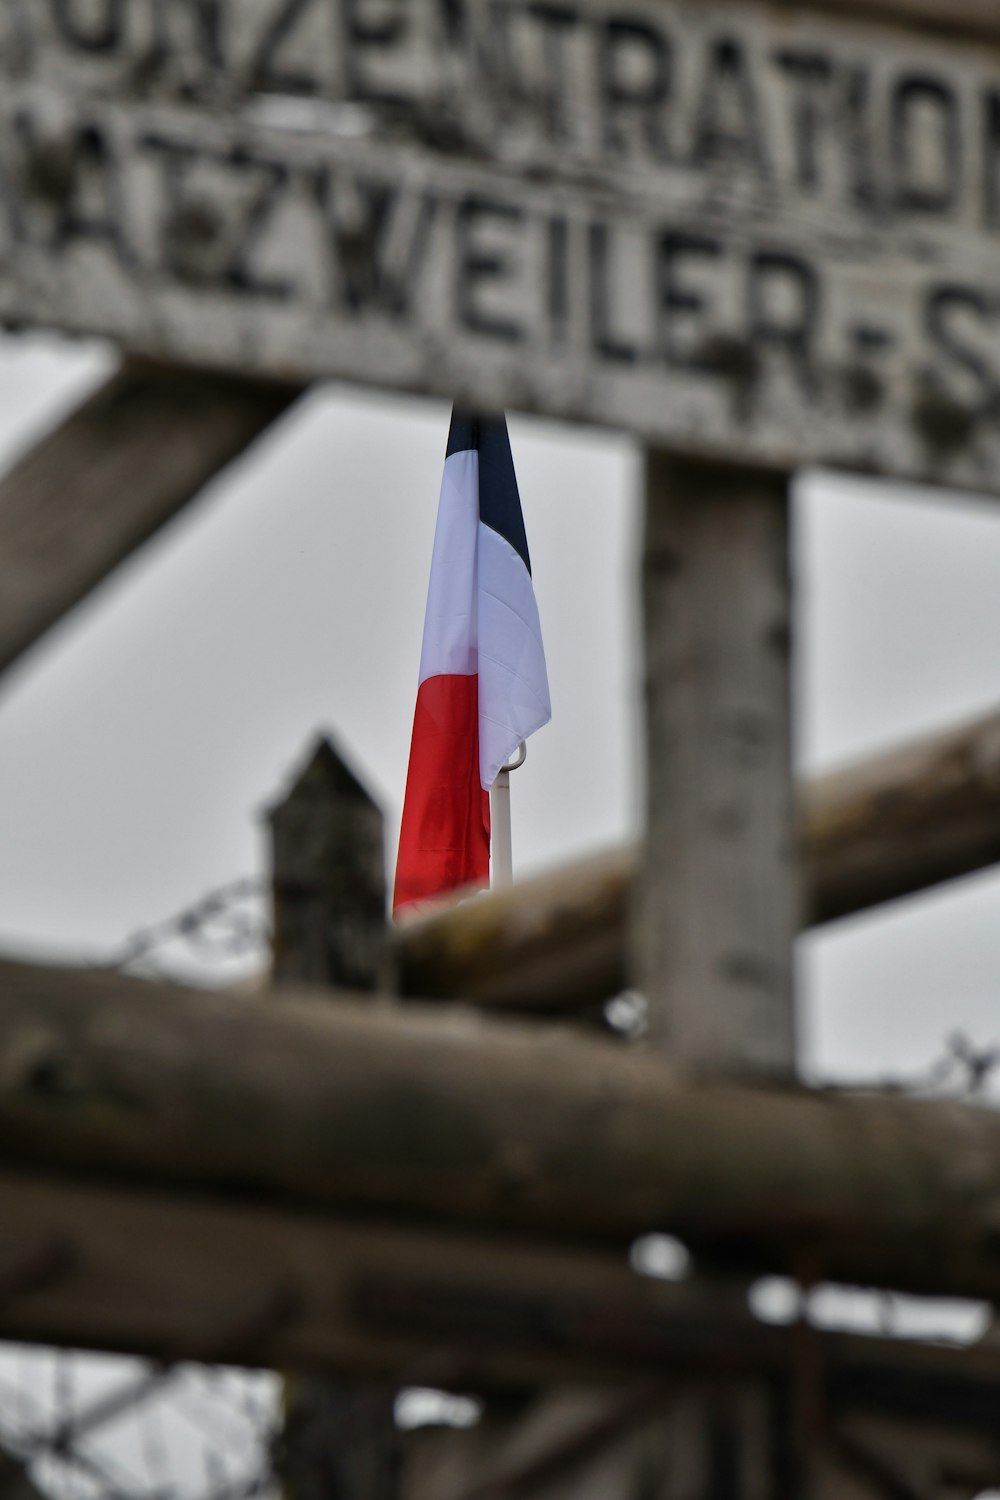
(501, 855)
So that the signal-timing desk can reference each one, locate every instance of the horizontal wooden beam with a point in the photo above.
(553, 944)
(172, 1276)
(882, 828)
(455, 1118)
(92, 491)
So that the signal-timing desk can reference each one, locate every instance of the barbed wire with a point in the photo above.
(54, 1440)
(60, 1442)
(226, 924)
(963, 1070)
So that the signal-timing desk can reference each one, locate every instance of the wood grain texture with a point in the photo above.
(114, 471)
(553, 944)
(328, 878)
(458, 1119)
(176, 1275)
(879, 829)
(908, 818)
(173, 1275)
(716, 907)
(328, 887)
(742, 230)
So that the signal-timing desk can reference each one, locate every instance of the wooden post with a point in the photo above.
(717, 897)
(716, 920)
(328, 873)
(329, 879)
(717, 905)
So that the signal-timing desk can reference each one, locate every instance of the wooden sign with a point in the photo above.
(737, 229)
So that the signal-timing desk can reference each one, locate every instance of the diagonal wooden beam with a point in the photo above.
(901, 821)
(92, 491)
(15, 1481)
(881, 828)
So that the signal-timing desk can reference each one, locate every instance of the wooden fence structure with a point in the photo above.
(755, 236)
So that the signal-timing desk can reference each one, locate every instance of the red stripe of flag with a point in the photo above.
(444, 840)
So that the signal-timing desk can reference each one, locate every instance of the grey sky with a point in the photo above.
(140, 743)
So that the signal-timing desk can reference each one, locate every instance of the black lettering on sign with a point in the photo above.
(208, 239)
(558, 278)
(604, 340)
(681, 307)
(860, 136)
(202, 34)
(454, 21)
(75, 178)
(557, 22)
(991, 157)
(475, 265)
(191, 226)
(810, 74)
(373, 27)
(783, 306)
(474, 38)
(268, 180)
(946, 309)
(378, 256)
(266, 71)
(635, 85)
(94, 210)
(10, 206)
(925, 144)
(90, 25)
(727, 120)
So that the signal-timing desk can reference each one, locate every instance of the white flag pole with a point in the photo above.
(501, 857)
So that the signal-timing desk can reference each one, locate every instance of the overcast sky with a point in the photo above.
(140, 743)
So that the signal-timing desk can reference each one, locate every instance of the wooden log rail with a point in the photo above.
(175, 1276)
(882, 828)
(453, 1118)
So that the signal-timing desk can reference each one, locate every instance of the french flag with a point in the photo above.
(483, 686)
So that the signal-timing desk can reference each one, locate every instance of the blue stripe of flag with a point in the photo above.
(499, 501)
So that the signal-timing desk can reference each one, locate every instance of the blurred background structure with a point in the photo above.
(148, 737)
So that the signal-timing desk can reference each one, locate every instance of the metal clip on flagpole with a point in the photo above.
(501, 859)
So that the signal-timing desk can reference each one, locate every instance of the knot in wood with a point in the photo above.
(40, 1064)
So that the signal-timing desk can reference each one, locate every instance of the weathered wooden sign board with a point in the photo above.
(739, 229)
